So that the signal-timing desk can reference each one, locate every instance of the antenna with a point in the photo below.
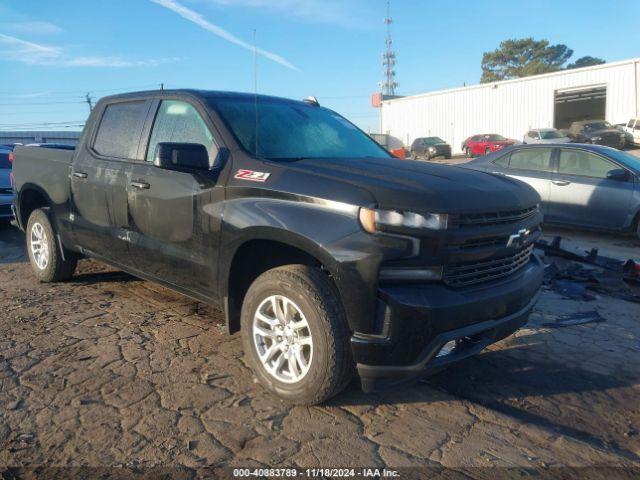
(389, 83)
(89, 101)
(255, 83)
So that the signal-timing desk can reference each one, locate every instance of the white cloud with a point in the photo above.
(31, 53)
(34, 28)
(351, 14)
(199, 20)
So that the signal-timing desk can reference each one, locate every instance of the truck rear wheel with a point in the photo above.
(295, 334)
(45, 258)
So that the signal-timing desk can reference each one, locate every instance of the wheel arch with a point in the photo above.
(264, 249)
(30, 198)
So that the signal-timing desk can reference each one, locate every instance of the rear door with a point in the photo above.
(99, 216)
(581, 194)
(175, 215)
(532, 165)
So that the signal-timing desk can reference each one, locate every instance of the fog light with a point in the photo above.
(447, 348)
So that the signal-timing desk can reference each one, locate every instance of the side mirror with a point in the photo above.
(178, 156)
(619, 174)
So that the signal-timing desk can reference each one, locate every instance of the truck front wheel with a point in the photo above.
(46, 259)
(295, 334)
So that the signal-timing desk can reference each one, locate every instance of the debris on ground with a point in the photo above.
(582, 277)
(576, 319)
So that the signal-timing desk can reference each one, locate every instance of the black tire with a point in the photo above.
(467, 152)
(56, 268)
(331, 366)
(413, 156)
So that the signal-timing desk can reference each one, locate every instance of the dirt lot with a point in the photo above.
(107, 370)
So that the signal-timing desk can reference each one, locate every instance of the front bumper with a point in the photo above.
(419, 320)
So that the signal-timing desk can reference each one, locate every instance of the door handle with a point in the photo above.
(561, 183)
(140, 185)
(79, 174)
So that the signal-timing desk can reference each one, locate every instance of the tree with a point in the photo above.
(523, 57)
(585, 62)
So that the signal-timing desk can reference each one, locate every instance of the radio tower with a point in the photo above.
(389, 84)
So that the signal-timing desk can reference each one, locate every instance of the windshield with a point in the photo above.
(597, 126)
(495, 138)
(292, 130)
(549, 134)
(628, 160)
(433, 140)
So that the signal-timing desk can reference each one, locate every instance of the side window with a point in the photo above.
(178, 122)
(503, 161)
(630, 124)
(536, 159)
(475, 139)
(577, 162)
(119, 130)
(637, 127)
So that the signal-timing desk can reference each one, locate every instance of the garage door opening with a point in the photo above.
(582, 104)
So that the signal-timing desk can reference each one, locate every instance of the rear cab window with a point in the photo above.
(119, 130)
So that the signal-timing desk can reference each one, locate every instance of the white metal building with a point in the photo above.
(512, 107)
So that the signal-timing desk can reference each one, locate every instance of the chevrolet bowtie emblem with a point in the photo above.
(518, 238)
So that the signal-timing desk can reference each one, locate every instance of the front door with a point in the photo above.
(174, 215)
(581, 194)
(98, 215)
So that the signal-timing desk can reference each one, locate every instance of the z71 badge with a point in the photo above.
(251, 175)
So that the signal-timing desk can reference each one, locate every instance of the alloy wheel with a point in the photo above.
(282, 338)
(39, 246)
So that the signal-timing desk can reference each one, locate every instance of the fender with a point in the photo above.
(328, 231)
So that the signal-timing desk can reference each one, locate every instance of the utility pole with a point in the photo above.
(89, 101)
(389, 84)
(162, 86)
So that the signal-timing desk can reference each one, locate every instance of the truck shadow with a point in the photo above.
(528, 389)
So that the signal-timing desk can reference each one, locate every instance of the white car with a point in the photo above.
(632, 131)
(545, 135)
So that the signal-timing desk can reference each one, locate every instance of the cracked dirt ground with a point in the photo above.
(107, 370)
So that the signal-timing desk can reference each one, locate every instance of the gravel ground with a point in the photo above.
(108, 371)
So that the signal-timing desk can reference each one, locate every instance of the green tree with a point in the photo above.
(585, 62)
(523, 57)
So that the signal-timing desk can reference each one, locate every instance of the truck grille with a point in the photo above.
(470, 273)
(493, 218)
(5, 210)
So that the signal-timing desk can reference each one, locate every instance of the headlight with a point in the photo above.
(596, 139)
(376, 220)
(432, 149)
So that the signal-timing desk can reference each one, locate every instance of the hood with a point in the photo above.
(423, 187)
(597, 133)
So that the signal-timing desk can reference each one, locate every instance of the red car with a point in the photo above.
(483, 144)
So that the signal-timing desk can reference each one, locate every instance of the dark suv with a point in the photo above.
(430, 147)
(599, 132)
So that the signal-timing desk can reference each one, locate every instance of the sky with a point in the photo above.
(52, 53)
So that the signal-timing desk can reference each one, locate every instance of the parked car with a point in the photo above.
(484, 144)
(328, 255)
(580, 185)
(545, 135)
(430, 147)
(632, 131)
(6, 188)
(598, 132)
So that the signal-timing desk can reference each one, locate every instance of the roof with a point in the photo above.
(517, 80)
(203, 94)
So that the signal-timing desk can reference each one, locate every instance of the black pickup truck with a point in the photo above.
(329, 255)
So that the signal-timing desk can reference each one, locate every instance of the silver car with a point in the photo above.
(6, 189)
(545, 135)
(580, 185)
